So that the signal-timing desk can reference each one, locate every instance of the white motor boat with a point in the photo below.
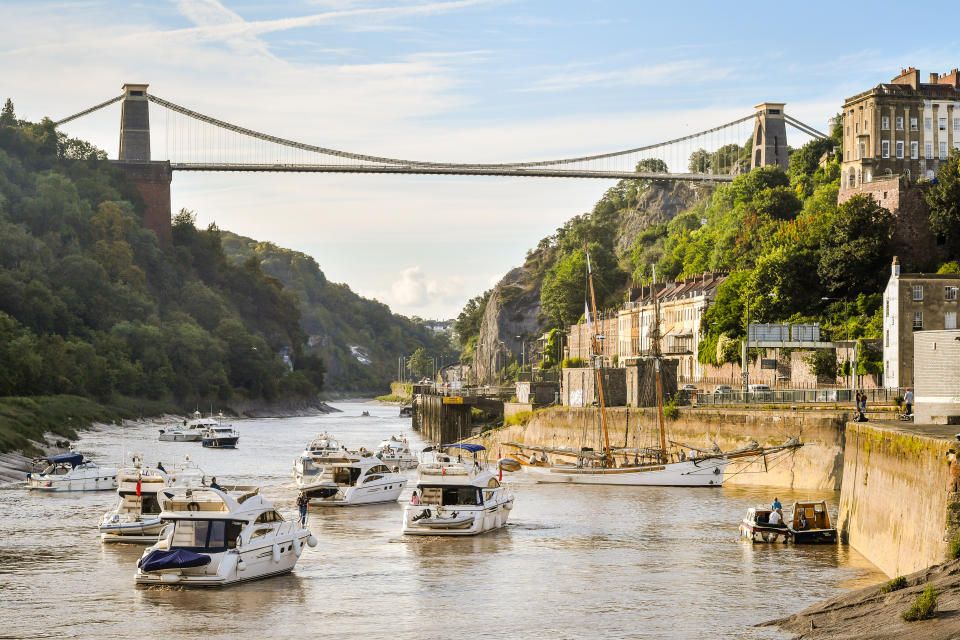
(328, 474)
(191, 430)
(220, 436)
(214, 537)
(396, 454)
(70, 472)
(136, 518)
(455, 497)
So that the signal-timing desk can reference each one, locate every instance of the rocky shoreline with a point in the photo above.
(869, 614)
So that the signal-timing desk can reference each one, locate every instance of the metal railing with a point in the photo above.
(797, 396)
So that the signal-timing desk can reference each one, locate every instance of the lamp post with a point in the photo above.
(851, 381)
(523, 353)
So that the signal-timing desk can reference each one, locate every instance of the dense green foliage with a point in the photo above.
(894, 585)
(91, 305)
(943, 198)
(359, 340)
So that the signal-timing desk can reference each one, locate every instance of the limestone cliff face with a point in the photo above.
(514, 306)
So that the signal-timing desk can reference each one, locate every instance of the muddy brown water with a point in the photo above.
(574, 561)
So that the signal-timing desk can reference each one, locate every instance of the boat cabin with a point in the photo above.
(810, 516)
(61, 464)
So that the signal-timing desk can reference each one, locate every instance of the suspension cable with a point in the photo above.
(87, 111)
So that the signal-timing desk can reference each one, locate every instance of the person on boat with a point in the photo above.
(160, 467)
(776, 506)
(802, 522)
(776, 518)
(214, 485)
(414, 498)
(302, 502)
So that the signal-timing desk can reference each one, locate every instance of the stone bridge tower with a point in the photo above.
(152, 179)
(769, 137)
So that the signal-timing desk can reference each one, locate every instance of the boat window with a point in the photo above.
(372, 478)
(206, 535)
(379, 469)
(150, 505)
(354, 474)
(461, 495)
(430, 495)
(342, 475)
(268, 516)
(493, 483)
(488, 495)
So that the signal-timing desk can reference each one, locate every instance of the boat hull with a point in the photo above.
(375, 492)
(106, 481)
(756, 533)
(470, 520)
(707, 473)
(180, 437)
(221, 443)
(814, 536)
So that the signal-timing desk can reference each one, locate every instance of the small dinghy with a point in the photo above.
(756, 526)
(441, 520)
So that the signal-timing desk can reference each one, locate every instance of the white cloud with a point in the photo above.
(415, 292)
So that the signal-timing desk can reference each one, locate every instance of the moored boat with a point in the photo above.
(810, 523)
(455, 497)
(330, 475)
(220, 436)
(191, 431)
(396, 453)
(756, 527)
(214, 537)
(71, 472)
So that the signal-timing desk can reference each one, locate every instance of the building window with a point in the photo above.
(900, 123)
(885, 148)
(886, 338)
(928, 150)
(856, 127)
(928, 124)
(918, 319)
(950, 293)
(899, 149)
(848, 155)
(956, 145)
(943, 124)
(943, 150)
(950, 320)
(885, 123)
(918, 292)
(956, 124)
(913, 124)
(863, 150)
(914, 150)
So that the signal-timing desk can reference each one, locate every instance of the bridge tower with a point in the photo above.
(769, 137)
(152, 179)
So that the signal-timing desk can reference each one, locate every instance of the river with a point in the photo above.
(574, 561)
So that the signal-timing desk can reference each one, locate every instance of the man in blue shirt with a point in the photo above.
(908, 400)
(776, 504)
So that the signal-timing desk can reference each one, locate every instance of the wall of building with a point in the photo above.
(937, 376)
(897, 499)
(579, 388)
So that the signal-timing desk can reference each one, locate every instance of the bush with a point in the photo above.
(924, 607)
(955, 546)
(574, 363)
(519, 418)
(894, 585)
(670, 410)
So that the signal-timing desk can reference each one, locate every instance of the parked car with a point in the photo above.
(692, 388)
(723, 388)
(761, 391)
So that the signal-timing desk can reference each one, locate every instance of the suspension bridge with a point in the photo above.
(193, 141)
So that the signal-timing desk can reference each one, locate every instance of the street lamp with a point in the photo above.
(523, 353)
(846, 322)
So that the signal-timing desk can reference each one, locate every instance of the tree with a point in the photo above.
(419, 363)
(855, 248)
(7, 117)
(943, 198)
(700, 161)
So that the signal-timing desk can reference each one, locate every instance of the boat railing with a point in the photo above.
(444, 468)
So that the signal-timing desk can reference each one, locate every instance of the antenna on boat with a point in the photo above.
(597, 359)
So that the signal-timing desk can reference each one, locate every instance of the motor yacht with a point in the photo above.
(396, 454)
(191, 430)
(455, 496)
(136, 518)
(217, 537)
(71, 472)
(330, 475)
(220, 436)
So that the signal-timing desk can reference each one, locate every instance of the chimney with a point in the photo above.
(909, 77)
(896, 267)
(934, 78)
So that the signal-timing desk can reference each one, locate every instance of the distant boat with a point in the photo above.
(191, 431)
(70, 472)
(330, 475)
(406, 412)
(365, 414)
(220, 436)
(395, 453)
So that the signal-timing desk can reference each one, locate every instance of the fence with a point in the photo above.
(797, 396)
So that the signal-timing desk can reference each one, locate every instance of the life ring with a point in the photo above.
(193, 506)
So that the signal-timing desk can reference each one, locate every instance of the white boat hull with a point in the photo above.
(106, 480)
(469, 520)
(146, 530)
(708, 473)
(180, 436)
(233, 566)
(387, 490)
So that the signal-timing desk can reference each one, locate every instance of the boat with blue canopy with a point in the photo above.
(70, 472)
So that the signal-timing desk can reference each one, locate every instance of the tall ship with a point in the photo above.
(659, 463)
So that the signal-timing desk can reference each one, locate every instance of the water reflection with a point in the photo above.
(574, 562)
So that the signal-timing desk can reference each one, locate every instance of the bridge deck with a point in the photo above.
(538, 172)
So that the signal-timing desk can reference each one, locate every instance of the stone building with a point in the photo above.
(914, 302)
(937, 377)
(900, 128)
(682, 305)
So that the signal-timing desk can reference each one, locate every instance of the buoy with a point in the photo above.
(241, 565)
(312, 541)
(297, 549)
(276, 553)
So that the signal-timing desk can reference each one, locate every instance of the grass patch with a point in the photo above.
(390, 397)
(924, 607)
(23, 419)
(955, 546)
(520, 418)
(894, 585)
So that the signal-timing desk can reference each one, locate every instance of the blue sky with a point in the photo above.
(478, 80)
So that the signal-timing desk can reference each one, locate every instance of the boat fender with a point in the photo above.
(423, 514)
(193, 506)
(241, 565)
(297, 549)
(115, 518)
(312, 541)
(276, 553)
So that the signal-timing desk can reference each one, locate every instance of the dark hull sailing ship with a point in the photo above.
(665, 463)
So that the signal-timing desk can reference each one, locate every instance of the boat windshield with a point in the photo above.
(451, 495)
(210, 536)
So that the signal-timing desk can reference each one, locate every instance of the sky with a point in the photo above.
(444, 80)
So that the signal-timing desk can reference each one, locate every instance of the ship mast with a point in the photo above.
(607, 457)
(656, 365)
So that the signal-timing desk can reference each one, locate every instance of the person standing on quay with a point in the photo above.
(908, 401)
